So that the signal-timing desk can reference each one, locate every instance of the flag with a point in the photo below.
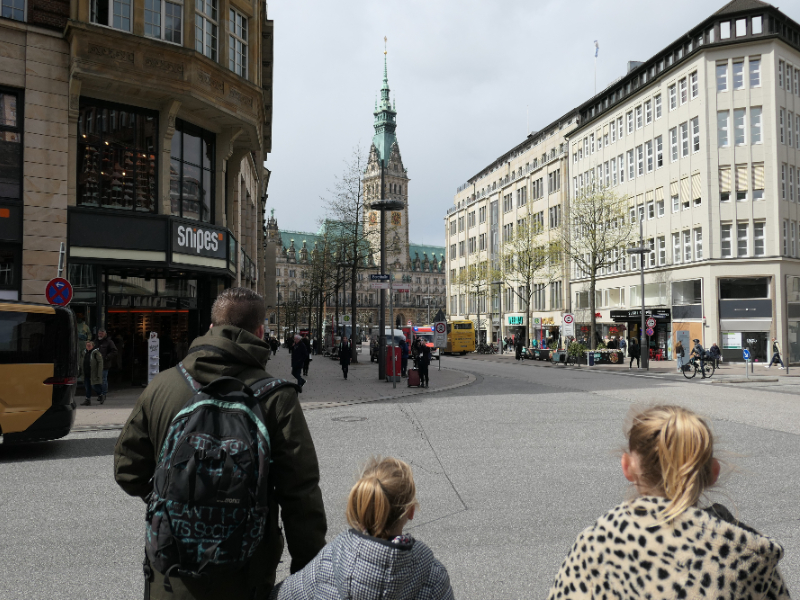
(596, 48)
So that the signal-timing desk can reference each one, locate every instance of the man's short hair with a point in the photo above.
(239, 307)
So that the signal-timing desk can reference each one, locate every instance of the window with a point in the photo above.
(170, 14)
(758, 239)
(613, 130)
(639, 117)
(631, 166)
(756, 25)
(14, 9)
(482, 241)
(237, 43)
(191, 172)
(461, 248)
(591, 143)
(698, 244)
(673, 97)
(657, 102)
(555, 216)
(621, 164)
(630, 122)
(640, 210)
(639, 160)
(725, 30)
(673, 139)
(722, 128)
(676, 248)
(724, 184)
(684, 92)
(738, 126)
(725, 240)
(10, 145)
(613, 171)
(755, 71)
(453, 227)
(648, 112)
(741, 27)
(722, 77)
(555, 295)
(660, 208)
(117, 165)
(780, 73)
(695, 85)
(687, 246)
(649, 153)
(793, 247)
(619, 127)
(662, 251)
(786, 238)
(684, 139)
(651, 210)
(789, 120)
(781, 119)
(651, 258)
(741, 239)
(696, 134)
(738, 74)
(461, 223)
(205, 28)
(758, 181)
(783, 182)
(112, 13)
(659, 153)
(791, 184)
(482, 214)
(797, 131)
(452, 251)
(755, 125)
(471, 219)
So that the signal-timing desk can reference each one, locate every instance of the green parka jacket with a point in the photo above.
(294, 472)
(96, 360)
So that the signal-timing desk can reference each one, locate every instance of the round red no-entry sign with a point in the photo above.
(58, 291)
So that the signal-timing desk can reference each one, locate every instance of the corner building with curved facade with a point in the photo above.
(145, 128)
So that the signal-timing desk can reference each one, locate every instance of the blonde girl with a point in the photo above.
(662, 545)
(374, 559)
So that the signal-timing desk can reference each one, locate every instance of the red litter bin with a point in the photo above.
(393, 365)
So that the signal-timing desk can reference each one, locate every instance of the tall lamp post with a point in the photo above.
(499, 285)
(641, 251)
(278, 301)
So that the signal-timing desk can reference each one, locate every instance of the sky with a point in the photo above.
(470, 79)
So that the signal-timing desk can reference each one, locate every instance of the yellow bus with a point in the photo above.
(38, 370)
(460, 337)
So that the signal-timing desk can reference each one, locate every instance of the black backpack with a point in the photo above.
(208, 509)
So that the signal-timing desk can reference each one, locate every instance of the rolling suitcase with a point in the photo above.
(413, 378)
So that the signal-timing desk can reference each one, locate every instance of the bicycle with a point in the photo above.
(691, 368)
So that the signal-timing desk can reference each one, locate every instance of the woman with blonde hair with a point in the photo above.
(373, 559)
(662, 545)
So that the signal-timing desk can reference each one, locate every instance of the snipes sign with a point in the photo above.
(199, 240)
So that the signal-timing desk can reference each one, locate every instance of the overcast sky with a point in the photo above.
(462, 74)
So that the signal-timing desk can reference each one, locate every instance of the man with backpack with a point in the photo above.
(215, 446)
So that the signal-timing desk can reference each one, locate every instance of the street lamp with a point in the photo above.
(499, 285)
(641, 251)
(278, 299)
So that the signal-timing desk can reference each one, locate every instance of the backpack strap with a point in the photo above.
(272, 384)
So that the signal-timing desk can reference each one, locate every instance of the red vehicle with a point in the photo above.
(425, 332)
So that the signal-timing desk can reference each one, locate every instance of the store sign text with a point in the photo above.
(516, 320)
(187, 239)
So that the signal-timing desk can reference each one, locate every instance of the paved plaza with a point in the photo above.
(509, 468)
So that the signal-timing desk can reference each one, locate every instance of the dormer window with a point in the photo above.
(756, 25)
(725, 30)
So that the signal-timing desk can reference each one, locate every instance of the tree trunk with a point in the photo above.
(593, 316)
(353, 307)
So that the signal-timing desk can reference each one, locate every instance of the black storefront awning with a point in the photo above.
(635, 314)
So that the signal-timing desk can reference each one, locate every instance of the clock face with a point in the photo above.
(397, 218)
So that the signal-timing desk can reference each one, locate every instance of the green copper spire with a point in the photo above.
(385, 119)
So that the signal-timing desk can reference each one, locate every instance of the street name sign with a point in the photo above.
(379, 277)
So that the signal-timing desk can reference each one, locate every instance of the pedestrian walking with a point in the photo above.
(374, 556)
(232, 347)
(633, 353)
(424, 362)
(345, 355)
(91, 369)
(715, 355)
(307, 362)
(290, 344)
(518, 348)
(699, 353)
(679, 354)
(299, 356)
(274, 344)
(403, 357)
(623, 345)
(776, 354)
(643, 548)
(109, 351)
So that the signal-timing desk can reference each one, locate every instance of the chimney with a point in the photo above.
(632, 64)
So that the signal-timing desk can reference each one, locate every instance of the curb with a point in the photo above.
(470, 379)
(751, 380)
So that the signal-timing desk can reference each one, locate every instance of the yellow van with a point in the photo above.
(38, 371)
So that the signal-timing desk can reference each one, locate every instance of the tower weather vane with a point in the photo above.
(385, 39)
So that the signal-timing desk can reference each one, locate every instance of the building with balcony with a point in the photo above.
(144, 128)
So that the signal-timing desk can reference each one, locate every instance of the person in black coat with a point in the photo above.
(307, 344)
(518, 348)
(424, 361)
(344, 355)
(633, 352)
(299, 356)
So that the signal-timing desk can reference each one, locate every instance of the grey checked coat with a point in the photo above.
(355, 566)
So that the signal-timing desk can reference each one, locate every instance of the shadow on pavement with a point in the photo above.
(57, 450)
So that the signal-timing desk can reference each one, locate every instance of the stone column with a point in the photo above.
(166, 130)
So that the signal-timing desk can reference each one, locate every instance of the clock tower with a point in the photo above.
(384, 159)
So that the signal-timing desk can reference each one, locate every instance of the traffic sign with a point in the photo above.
(58, 291)
(649, 331)
(651, 322)
(568, 325)
(379, 277)
(401, 288)
(746, 354)
(440, 334)
(379, 285)
(568, 319)
(409, 323)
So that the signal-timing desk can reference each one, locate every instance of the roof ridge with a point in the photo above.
(741, 5)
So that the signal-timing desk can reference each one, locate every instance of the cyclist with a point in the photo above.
(698, 353)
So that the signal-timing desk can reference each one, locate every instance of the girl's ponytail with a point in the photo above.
(675, 448)
(383, 495)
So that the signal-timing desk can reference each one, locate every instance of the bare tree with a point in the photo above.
(346, 210)
(476, 278)
(531, 257)
(594, 237)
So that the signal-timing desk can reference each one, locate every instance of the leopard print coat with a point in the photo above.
(704, 554)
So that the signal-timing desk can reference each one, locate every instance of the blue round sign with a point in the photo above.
(649, 331)
(58, 291)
